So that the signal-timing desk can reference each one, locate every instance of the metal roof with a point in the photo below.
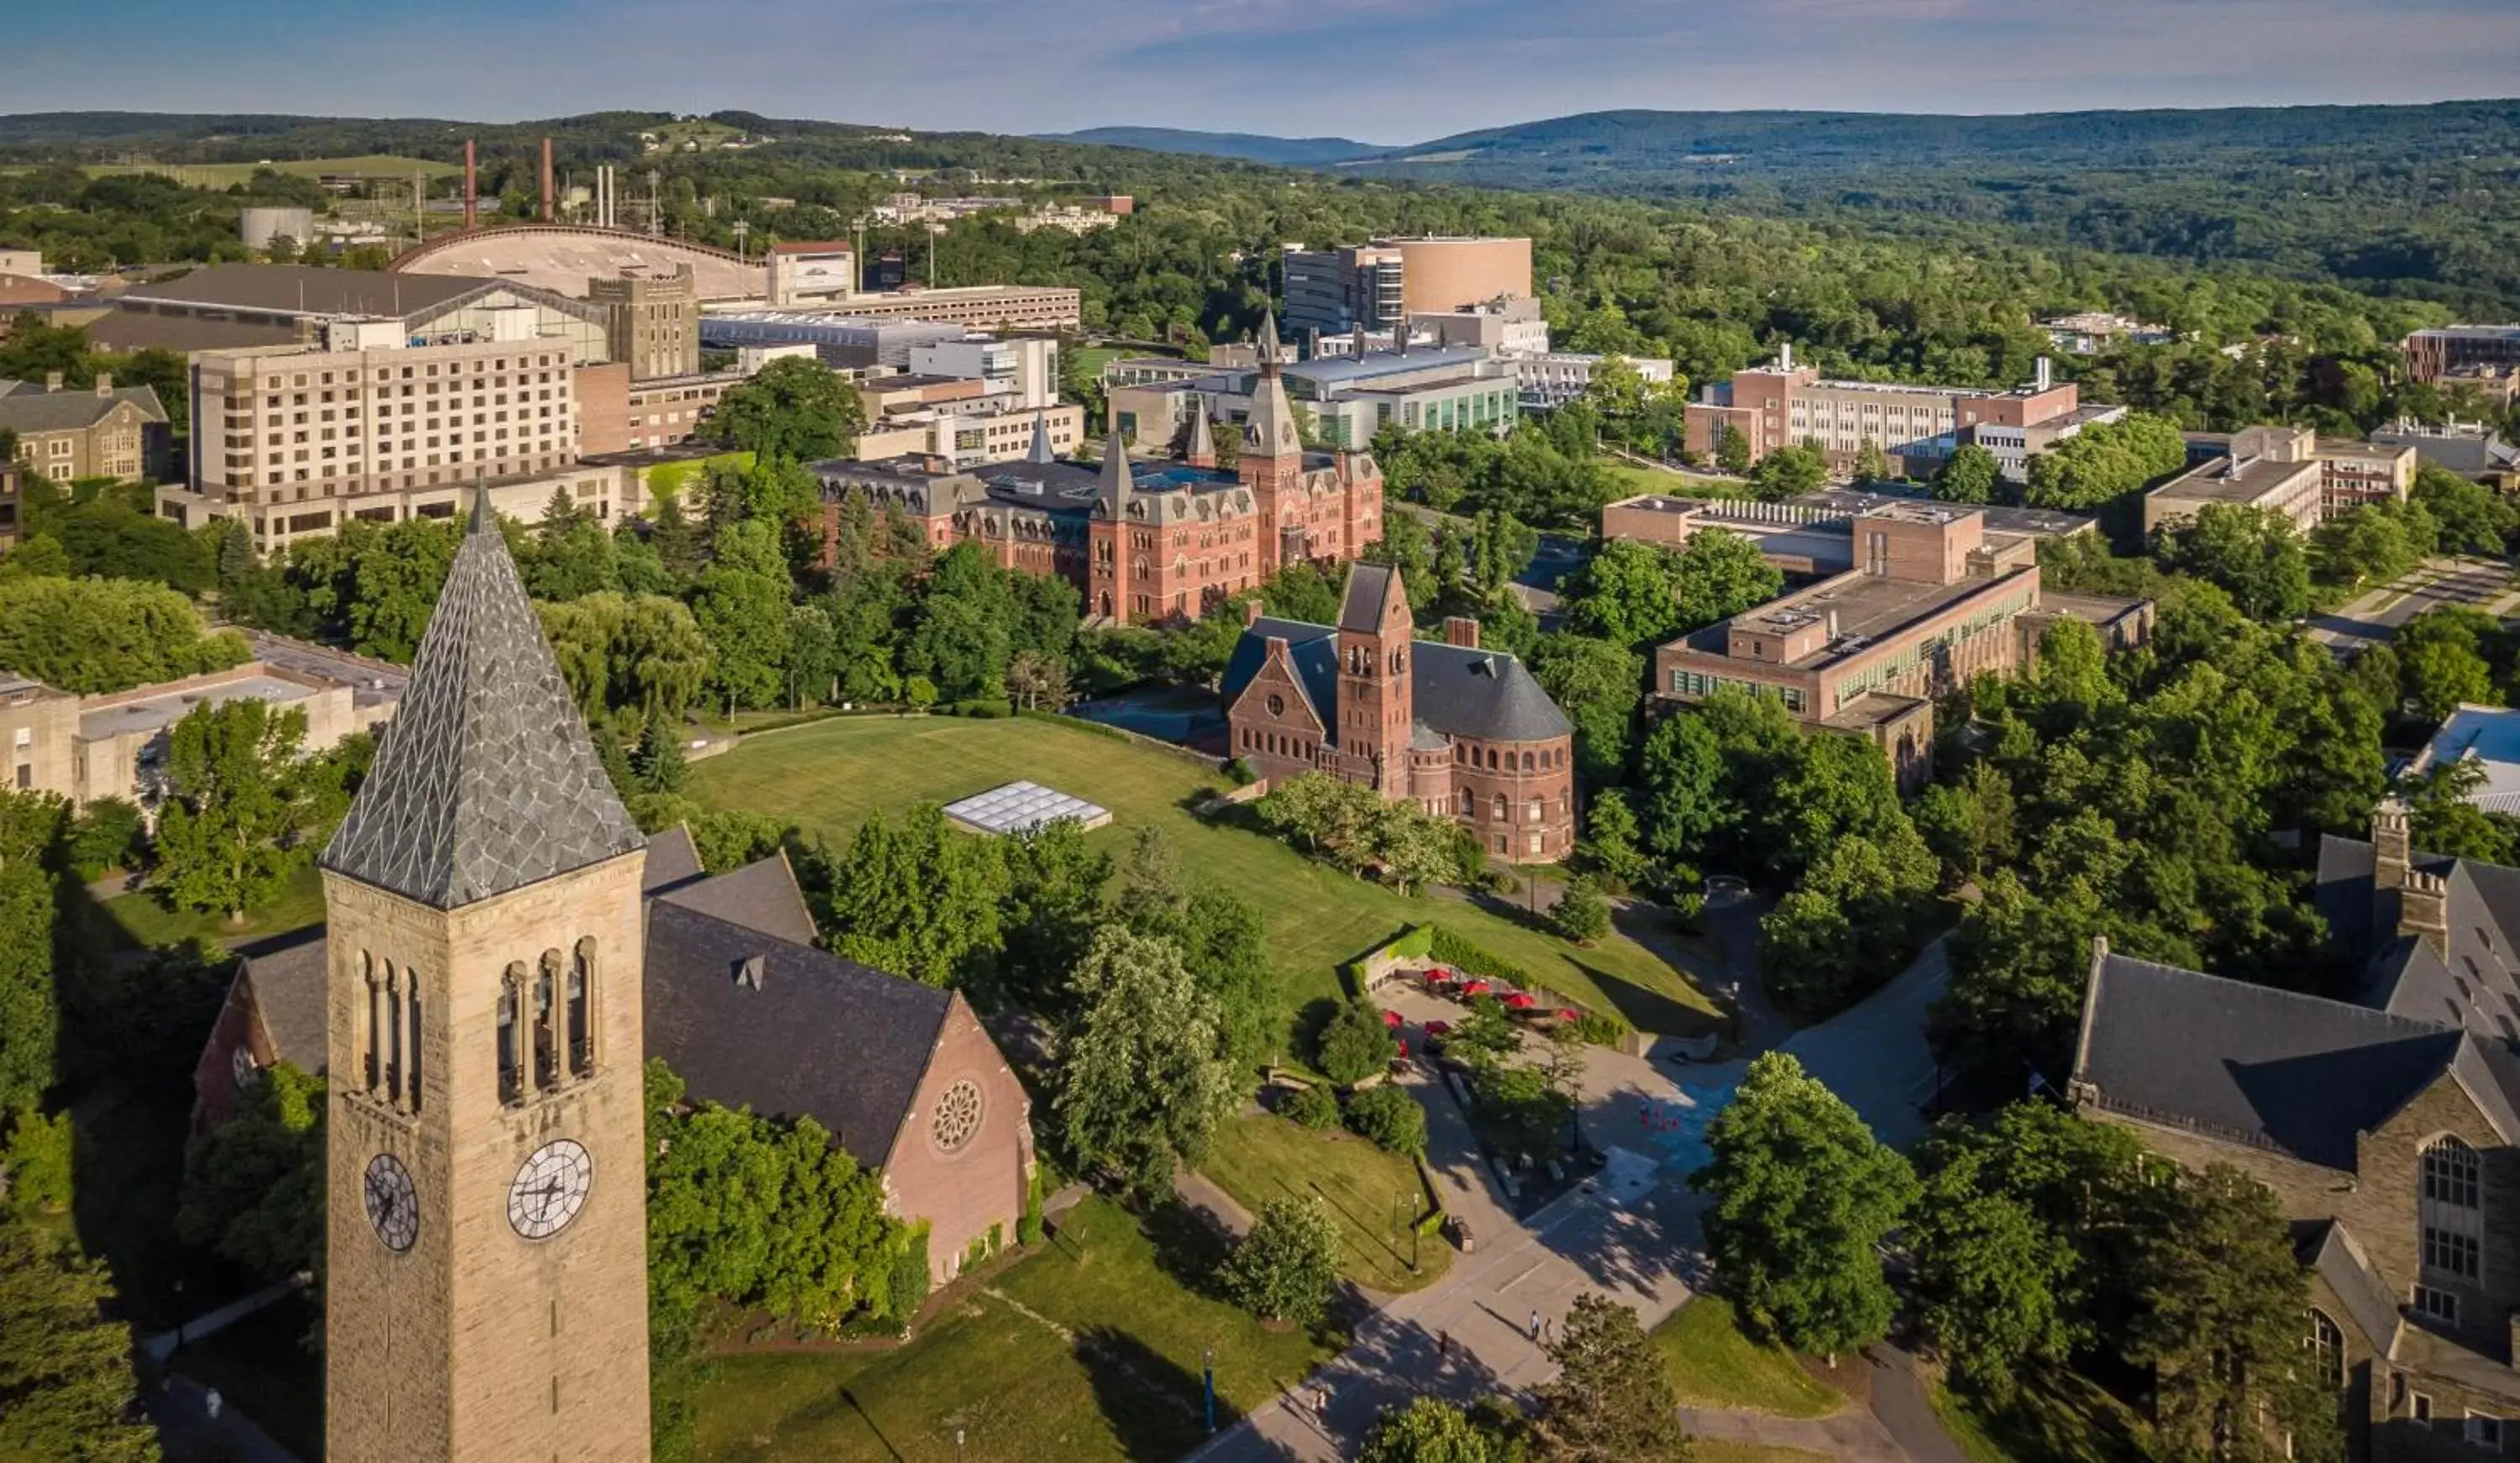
(1023, 808)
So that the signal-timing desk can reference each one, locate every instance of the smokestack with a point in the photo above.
(470, 195)
(2046, 374)
(549, 200)
(1785, 356)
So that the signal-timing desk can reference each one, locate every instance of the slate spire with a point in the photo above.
(485, 780)
(1270, 431)
(1041, 452)
(1117, 486)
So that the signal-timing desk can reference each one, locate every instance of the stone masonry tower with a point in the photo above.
(1376, 707)
(487, 1297)
(1271, 463)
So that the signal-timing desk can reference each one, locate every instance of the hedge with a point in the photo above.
(1601, 1028)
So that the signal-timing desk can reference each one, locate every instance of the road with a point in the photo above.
(2484, 584)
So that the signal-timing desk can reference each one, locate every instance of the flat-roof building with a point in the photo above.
(1380, 285)
(1815, 533)
(1929, 605)
(2273, 468)
(1349, 397)
(1918, 427)
(844, 340)
(1014, 307)
(238, 306)
(2432, 354)
(2470, 448)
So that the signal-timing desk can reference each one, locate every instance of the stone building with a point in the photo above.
(1142, 541)
(652, 323)
(1448, 725)
(504, 950)
(102, 431)
(2388, 1127)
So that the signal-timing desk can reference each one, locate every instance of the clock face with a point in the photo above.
(393, 1205)
(550, 1189)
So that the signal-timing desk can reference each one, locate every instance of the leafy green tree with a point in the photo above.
(1802, 1195)
(795, 408)
(1599, 686)
(109, 833)
(65, 1359)
(31, 832)
(1722, 574)
(1355, 1044)
(39, 1163)
(1871, 463)
(1312, 1109)
(2105, 461)
(1611, 835)
(1854, 923)
(1141, 1085)
(227, 833)
(2444, 821)
(1613, 1399)
(1996, 1282)
(2442, 657)
(2220, 1325)
(2470, 517)
(106, 634)
(1789, 471)
(2371, 545)
(1286, 1268)
(1969, 824)
(1581, 914)
(1732, 450)
(255, 1187)
(656, 763)
(642, 654)
(1389, 1118)
(1429, 1430)
(921, 900)
(1053, 903)
(1034, 680)
(1970, 474)
(739, 602)
(1628, 595)
(2254, 553)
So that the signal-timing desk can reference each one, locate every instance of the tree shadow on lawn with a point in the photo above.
(1154, 1407)
(1650, 1010)
(1186, 1247)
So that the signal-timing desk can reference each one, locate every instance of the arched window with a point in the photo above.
(411, 1037)
(372, 1057)
(546, 1021)
(512, 1003)
(1469, 803)
(2327, 1346)
(1526, 762)
(581, 1008)
(2451, 1173)
(393, 1033)
(1399, 660)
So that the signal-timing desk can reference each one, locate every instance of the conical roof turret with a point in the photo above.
(1041, 452)
(1117, 487)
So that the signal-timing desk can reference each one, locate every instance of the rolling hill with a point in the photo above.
(1285, 151)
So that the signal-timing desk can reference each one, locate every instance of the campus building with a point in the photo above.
(1379, 286)
(2386, 1122)
(1453, 728)
(652, 323)
(2351, 473)
(503, 951)
(1349, 397)
(1930, 603)
(2433, 354)
(1148, 540)
(2277, 469)
(242, 306)
(102, 430)
(1917, 427)
(1815, 533)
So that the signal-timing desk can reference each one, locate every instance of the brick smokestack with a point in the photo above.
(1461, 631)
(549, 201)
(470, 218)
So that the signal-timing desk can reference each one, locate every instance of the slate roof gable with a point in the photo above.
(1485, 695)
(486, 780)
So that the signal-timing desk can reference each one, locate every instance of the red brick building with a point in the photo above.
(1148, 540)
(1446, 725)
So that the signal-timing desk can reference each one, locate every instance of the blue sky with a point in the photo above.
(1382, 71)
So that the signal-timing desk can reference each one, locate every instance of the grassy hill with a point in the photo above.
(1289, 152)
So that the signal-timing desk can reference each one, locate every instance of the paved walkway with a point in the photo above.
(1850, 1433)
(2482, 584)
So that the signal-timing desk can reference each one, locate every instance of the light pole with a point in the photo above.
(1207, 1378)
(958, 1446)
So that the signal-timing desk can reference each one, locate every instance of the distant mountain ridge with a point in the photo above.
(1250, 147)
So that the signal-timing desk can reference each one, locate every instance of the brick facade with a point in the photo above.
(971, 1193)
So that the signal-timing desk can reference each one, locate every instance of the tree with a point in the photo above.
(255, 1187)
(921, 902)
(2441, 656)
(657, 764)
(1721, 574)
(106, 634)
(1732, 450)
(2220, 1324)
(31, 832)
(2254, 553)
(2105, 461)
(1034, 680)
(1789, 471)
(2470, 517)
(1871, 463)
(39, 1163)
(1995, 1282)
(1613, 1399)
(227, 833)
(741, 605)
(1389, 1118)
(1053, 902)
(1582, 914)
(1599, 686)
(1141, 1085)
(1355, 1044)
(1429, 1430)
(1628, 595)
(1287, 1267)
(1970, 474)
(796, 409)
(1803, 1194)
(64, 1361)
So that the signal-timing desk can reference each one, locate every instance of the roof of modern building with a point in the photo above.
(2473, 331)
(25, 408)
(140, 330)
(308, 289)
(1486, 695)
(2487, 739)
(2235, 480)
(562, 258)
(488, 781)
(1348, 371)
(1870, 609)
(754, 1020)
(148, 715)
(372, 682)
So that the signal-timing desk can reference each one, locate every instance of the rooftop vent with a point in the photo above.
(748, 972)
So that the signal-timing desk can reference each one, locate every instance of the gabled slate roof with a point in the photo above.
(760, 896)
(819, 1036)
(672, 860)
(1367, 586)
(2252, 1064)
(485, 780)
(289, 980)
(2475, 982)
(1486, 695)
(2329, 1248)
(27, 409)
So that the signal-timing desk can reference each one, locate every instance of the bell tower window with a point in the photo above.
(411, 1037)
(547, 1022)
(394, 1035)
(511, 1069)
(371, 1053)
(581, 1010)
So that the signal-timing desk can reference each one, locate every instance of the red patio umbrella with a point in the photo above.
(1519, 1000)
(1475, 988)
(1439, 1028)
(1568, 1013)
(1392, 1018)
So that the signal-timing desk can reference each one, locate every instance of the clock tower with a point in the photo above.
(487, 1284)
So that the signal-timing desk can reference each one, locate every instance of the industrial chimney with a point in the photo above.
(2046, 373)
(549, 201)
(471, 197)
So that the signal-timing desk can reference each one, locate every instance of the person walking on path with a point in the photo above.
(1535, 1328)
(1443, 1345)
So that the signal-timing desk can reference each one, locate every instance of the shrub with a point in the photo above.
(983, 709)
(1356, 1044)
(1028, 1227)
(1286, 1266)
(1312, 1108)
(37, 1163)
(905, 1281)
(1582, 914)
(1601, 1029)
(1391, 1118)
(109, 833)
(1688, 911)
(1241, 771)
(1459, 954)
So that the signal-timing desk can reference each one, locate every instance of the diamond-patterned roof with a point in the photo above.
(485, 780)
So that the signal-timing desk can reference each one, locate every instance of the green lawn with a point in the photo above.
(2053, 1418)
(145, 920)
(1090, 360)
(827, 777)
(1717, 1450)
(1088, 1351)
(1712, 1364)
(1264, 1158)
(1642, 479)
